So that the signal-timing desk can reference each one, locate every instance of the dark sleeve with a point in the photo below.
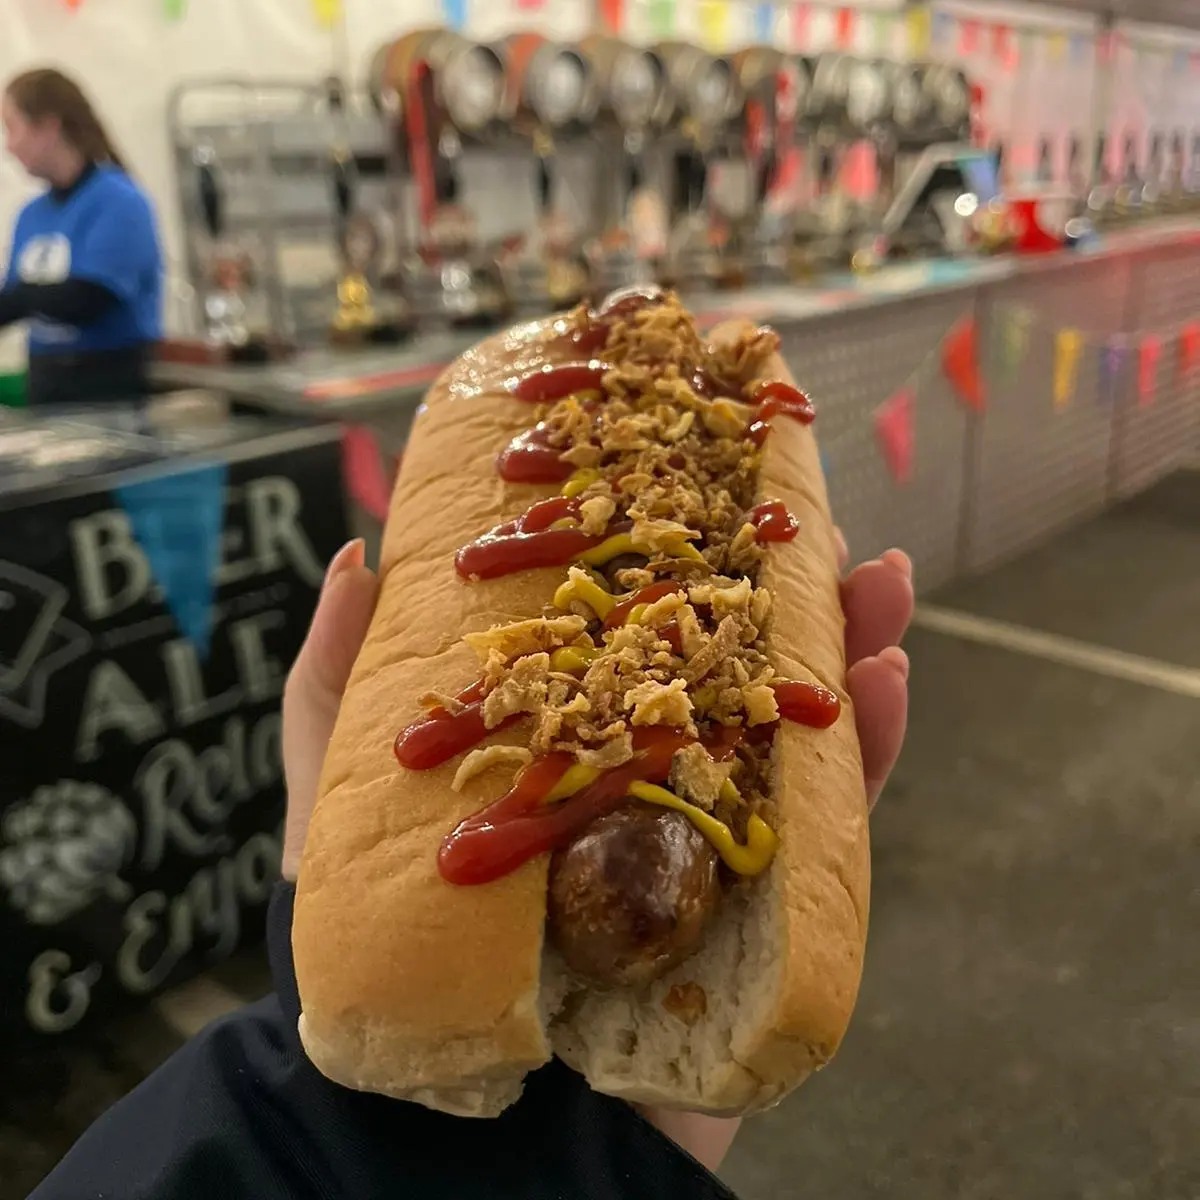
(239, 1113)
(73, 302)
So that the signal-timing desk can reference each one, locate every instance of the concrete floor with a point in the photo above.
(1029, 1026)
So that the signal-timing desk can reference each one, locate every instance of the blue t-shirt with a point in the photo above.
(102, 231)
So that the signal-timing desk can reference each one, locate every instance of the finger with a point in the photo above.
(314, 688)
(338, 627)
(877, 598)
(878, 685)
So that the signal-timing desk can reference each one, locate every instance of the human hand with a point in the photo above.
(877, 597)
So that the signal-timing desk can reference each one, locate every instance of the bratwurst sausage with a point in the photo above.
(632, 896)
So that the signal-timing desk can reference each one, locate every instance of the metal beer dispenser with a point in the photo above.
(551, 94)
(629, 217)
(441, 91)
(708, 97)
(776, 88)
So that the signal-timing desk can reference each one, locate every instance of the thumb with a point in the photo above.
(315, 685)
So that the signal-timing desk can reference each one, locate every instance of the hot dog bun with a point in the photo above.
(448, 995)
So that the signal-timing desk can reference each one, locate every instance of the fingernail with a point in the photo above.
(352, 554)
(900, 561)
(897, 659)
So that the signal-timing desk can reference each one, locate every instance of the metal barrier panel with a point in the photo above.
(1040, 465)
(1158, 430)
(851, 363)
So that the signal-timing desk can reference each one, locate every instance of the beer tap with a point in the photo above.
(1102, 197)
(1173, 174)
(1129, 190)
(230, 277)
(1151, 194)
(1191, 184)
(709, 98)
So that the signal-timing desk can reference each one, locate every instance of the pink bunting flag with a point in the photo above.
(368, 483)
(895, 432)
(1004, 47)
(968, 36)
(1148, 358)
(801, 25)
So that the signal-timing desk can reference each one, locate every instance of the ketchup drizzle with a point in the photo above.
(556, 381)
(624, 302)
(518, 827)
(775, 398)
(773, 522)
(529, 458)
(440, 735)
(528, 542)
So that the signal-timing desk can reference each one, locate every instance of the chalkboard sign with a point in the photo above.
(146, 628)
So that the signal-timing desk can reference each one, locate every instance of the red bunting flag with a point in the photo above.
(367, 478)
(960, 364)
(896, 434)
(612, 13)
(1148, 358)
(844, 28)
(1189, 349)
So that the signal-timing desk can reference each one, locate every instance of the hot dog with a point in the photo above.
(595, 788)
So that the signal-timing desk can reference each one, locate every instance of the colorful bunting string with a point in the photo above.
(454, 14)
(882, 26)
(960, 363)
(1112, 365)
(660, 16)
(714, 24)
(942, 33)
(1149, 354)
(327, 12)
(764, 22)
(919, 31)
(895, 422)
(1013, 327)
(612, 13)
(1189, 350)
(801, 26)
(845, 23)
(1068, 345)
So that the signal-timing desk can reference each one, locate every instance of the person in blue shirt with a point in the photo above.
(85, 269)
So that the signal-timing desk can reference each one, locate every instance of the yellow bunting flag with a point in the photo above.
(327, 12)
(920, 31)
(1067, 348)
(1056, 46)
(714, 24)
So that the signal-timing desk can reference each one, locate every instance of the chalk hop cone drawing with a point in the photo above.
(64, 848)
